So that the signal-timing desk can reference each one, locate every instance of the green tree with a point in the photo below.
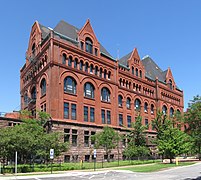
(30, 140)
(170, 140)
(193, 123)
(137, 141)
(173, 142)
(108, 139)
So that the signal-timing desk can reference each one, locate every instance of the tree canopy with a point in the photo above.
(136, 146)
(193, 123)
(170, 141)
(107, 139)
(30, 140)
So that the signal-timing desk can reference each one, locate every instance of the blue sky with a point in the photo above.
(169, 31)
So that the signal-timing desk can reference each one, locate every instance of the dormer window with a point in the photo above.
(89, 45)
(170, 84)
(96, 52)
(82, 45)
(33, 50)
(132, 70)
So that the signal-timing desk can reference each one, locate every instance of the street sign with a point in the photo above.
(94, 153)
(51, 153)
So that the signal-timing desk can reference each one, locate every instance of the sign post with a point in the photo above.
(51, 157)
(94, 159)
(16, 162)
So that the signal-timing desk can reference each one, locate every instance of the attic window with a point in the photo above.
(89, 45)
(82, 45)
(33, 50)
(96, 51)
(170, 84)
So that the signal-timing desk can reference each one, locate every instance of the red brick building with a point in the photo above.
(70, 75)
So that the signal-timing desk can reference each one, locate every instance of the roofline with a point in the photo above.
(108, 56)
(149, 77)
(124, 66)
(65, 37)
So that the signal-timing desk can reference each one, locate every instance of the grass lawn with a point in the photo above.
(155, 167)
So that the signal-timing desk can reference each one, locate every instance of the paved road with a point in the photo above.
(192, 172)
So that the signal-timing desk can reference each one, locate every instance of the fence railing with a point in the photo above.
(58, 166)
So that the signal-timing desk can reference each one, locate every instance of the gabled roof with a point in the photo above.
(153, 70)
(45, 31)
(124, 59)
(69, 31)
(66, 29)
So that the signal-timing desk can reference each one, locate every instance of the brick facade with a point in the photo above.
(70, 75)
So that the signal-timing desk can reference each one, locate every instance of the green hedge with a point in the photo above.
(24, 168)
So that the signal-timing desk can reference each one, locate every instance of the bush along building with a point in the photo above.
(71, 76)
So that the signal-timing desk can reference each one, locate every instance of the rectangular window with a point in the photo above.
(86, 158)
(66, 135)
(120, 119)
(86, 113)
(73, 112)
(86, 138)
(41, 108)
(66, 110)
(66, 158)
(45, 107)
(103, 116)
(146, 122)
(129, 121)
(92, 114)
(74, 137)
(108, 117)
(92, 139)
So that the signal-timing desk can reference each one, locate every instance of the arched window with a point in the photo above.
(136, 71)
(105, 74)
(109, 74)
(133, 70)
(70, 85)
(170, 84)
(91, 68)
(152, 109)
(33, 50)
(75, 63)
(43, 87)
(146, 107)
(81, 65)
(171, 112)
(89, 90)
(105, 94)
(96, 70)
(178, 111)
(70, 59)
(89, 45)
(140, 73)
(120, 99)
(26, 99)
(100, 73)
(137, 104)
(164, 110)
(86, 66)
(64, 58)
(128, 103)
(33, 93)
